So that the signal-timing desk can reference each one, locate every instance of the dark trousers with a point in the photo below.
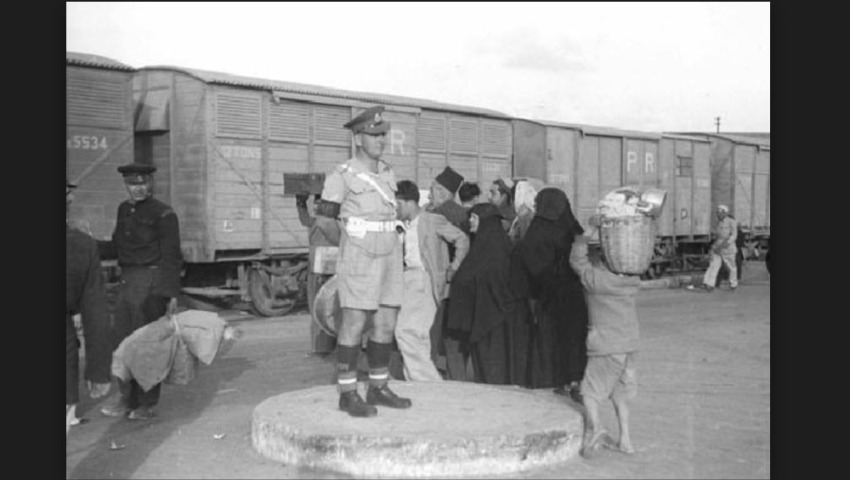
(133, 396)
(137, 306)
(438, 347)
(72, 363)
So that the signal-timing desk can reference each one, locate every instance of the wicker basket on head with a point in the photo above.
(628, 243)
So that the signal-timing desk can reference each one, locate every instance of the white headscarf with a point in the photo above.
(524, 196)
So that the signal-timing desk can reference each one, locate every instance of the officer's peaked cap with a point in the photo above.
(136, 172)
(370, 121)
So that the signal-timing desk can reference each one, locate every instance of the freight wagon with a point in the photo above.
(740, 179)
(232, 152)
(99, 136)
(588, 161)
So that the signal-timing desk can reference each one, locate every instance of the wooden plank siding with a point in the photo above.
(179, 152)
(561, 160)
(99, 139)
(402, 142)
(763, 181)
(669, 222)
(702, 211)
(223, 151)
(742, 207)
(722, 176)
(529, 147)
(588, 171)
(683, 170)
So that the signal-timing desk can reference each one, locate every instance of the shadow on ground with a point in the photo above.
(179, 405)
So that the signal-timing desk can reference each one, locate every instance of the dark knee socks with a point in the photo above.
(378, 355)
(346, 367)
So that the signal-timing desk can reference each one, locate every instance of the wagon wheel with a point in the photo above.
(265, 296)
(654, 271)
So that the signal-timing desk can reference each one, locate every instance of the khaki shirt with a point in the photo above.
(727, 233)
(357, 197)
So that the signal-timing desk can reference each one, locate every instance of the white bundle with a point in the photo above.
(620, 203)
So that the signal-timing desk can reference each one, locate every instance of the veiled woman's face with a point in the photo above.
(473, 223)
(497, 198)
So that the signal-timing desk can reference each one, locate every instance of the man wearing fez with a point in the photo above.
(324, 239)
(442, 202)
(86, 295)
(443, 190)
(147, 244)
(361, 193)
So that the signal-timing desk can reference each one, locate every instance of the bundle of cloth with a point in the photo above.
(622, 202)
(170, 348)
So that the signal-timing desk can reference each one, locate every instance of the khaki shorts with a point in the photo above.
(370, 271)
(610, 376)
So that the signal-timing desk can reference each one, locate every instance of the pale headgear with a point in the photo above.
(524, 196)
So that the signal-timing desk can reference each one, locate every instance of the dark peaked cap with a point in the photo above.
(136, 169)
(136, 172)
(370, 121)
(450, 179)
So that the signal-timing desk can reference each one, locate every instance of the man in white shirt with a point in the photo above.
(426, 274)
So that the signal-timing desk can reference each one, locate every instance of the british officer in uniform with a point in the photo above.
(147, 243)
(361, 193)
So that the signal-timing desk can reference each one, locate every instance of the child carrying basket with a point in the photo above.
(627, 228)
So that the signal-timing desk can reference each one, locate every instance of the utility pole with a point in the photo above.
(717, 122)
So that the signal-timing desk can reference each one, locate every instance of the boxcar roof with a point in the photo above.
(96, 61)
(758, 139)
(219, 78)
(603, 131)
(679, 136)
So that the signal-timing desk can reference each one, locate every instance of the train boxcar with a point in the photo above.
(99, 136)
(585, 161)
(740, 174)
(232, 151)
(588, 161)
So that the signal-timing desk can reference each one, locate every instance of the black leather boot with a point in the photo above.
(353, 403)
(386, 397)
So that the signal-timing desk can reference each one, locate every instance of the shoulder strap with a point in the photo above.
(368, 179)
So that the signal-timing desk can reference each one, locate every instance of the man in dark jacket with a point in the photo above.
(84, 294)
(147, 243)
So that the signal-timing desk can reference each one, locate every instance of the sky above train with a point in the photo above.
(641, 66)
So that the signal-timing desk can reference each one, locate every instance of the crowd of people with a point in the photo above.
(485, 289)
(469, 287)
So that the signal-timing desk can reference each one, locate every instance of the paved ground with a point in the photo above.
(702, 410)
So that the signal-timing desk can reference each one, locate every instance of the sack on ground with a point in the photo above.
(184, 369)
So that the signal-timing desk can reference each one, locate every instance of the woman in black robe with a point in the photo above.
(481, 304)
(541, 270)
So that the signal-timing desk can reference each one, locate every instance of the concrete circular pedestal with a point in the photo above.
(453, 429)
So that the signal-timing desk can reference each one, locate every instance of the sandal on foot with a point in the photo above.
(591, 449)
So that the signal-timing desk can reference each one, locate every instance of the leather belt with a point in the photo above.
(372, 226)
